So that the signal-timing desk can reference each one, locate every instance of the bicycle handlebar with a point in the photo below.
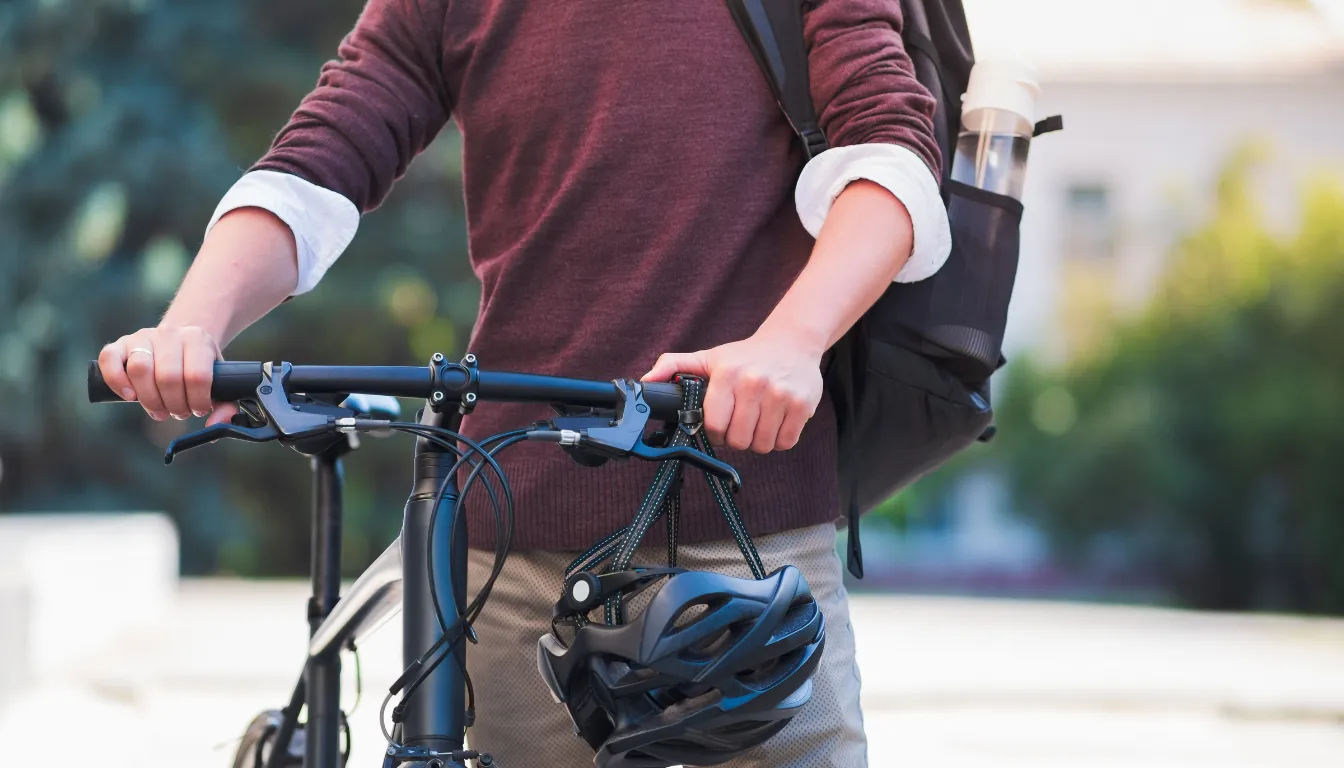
(238, 380)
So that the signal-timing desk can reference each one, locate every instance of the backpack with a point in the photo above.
(910, 380)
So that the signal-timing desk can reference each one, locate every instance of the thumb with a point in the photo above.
(672, 363)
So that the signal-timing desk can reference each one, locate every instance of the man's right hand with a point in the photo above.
(168, 369)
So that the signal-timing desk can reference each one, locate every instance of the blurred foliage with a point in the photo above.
(122, 123)
(916, 501)
(1203, 444)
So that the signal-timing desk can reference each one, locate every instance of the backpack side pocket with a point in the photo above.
(957, 316)
(912, 417)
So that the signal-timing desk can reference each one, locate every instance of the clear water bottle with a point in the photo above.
(997, 118)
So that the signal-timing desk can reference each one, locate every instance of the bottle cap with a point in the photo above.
(1008, 84)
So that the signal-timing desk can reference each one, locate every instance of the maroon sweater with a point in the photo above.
(629, 192)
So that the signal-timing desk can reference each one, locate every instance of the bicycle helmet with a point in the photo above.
(712, 667)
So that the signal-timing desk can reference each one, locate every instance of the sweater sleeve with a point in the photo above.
(374, 109)
(863, 82)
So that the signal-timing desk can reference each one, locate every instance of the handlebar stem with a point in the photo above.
(460, 380)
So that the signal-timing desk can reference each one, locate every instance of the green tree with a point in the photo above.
(1206, 441)
(122, 122)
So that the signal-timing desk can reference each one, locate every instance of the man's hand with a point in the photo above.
(246, 267)
(168, 369)
(762, 390)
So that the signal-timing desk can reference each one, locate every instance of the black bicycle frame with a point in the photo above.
(323, 675)
(435, 712)
(320, 684)
(433, 717)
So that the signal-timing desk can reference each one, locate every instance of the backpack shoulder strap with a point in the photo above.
(773, 30)
(938, 42)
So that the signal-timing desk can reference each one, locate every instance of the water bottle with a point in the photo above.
(997, 117)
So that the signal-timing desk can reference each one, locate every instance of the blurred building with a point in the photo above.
(1156, 97)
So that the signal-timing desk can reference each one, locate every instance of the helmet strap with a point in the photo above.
(664, 500)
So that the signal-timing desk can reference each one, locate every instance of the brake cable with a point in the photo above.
(504, 530)
(502, 546)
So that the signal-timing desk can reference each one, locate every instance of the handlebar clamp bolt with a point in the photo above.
(470, 397)
(470, 359)
(437, 397)
(438, 357)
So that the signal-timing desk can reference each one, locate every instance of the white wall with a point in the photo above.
(1147, 142)
(72, 585)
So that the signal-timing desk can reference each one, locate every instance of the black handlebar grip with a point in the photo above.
(664, 397)
(233, 380)
(99, 392)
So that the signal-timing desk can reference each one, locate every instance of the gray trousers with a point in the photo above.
(519, 723)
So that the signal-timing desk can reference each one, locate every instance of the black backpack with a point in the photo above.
(910, 381)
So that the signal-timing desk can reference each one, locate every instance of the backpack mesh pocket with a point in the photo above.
(957, 316)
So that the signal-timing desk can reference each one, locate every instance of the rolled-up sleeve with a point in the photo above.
(322, 221)
(374, 109)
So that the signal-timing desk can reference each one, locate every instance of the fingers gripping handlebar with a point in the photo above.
(232, 381)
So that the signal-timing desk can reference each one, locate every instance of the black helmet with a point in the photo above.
(712, 667)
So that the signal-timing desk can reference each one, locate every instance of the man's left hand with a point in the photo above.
(762, 390)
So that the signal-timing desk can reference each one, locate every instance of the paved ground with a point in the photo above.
(947, 682)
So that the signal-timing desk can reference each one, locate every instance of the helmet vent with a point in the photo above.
(800, 614)
(740, 727)
(709, 647)
(690, 615)
(770, 672)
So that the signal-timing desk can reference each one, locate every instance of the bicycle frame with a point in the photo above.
(397, 580)
(432, 719)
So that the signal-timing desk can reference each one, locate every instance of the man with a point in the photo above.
(630, 191)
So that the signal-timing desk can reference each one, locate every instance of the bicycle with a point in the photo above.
(318, 410)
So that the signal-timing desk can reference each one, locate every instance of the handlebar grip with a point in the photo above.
(99, 392)
(664, 397)
(233, 380)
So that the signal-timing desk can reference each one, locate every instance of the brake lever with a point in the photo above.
(625, 437)
(690, 455)
(293, 421)
(218, 432)
(290, 423)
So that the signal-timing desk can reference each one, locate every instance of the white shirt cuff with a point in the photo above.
(323, 222)
(902, 173)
